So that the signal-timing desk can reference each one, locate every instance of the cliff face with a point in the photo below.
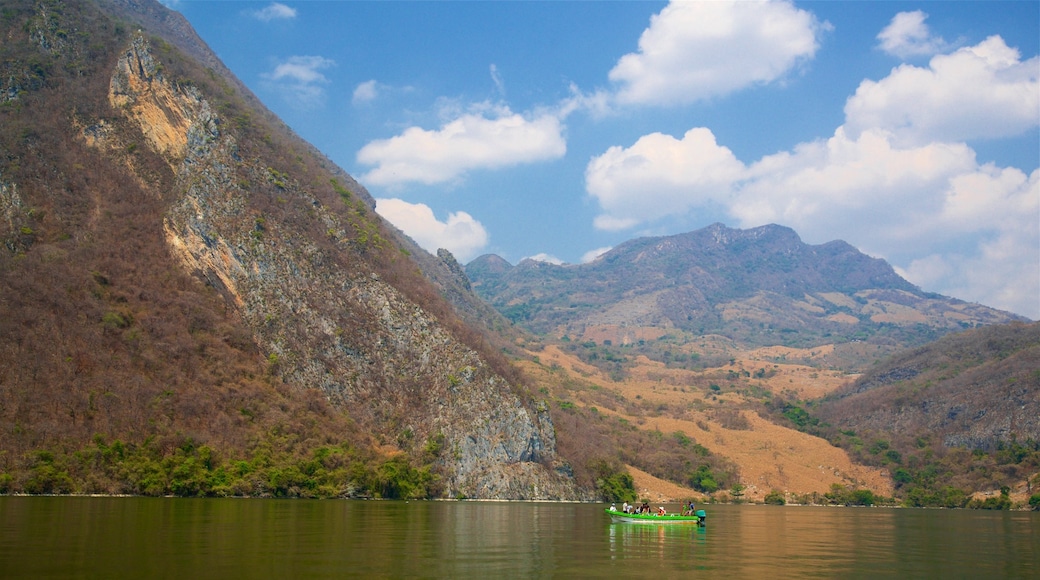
(327, 321)
(292, 245)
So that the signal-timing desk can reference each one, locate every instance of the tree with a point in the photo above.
(737, 491)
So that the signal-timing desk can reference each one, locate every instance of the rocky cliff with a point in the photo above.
(292, 245)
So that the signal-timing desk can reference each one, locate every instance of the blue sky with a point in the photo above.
(557, 130)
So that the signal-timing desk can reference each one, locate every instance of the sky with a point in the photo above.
(556, 130)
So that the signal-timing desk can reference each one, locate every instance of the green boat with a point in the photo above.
(698, 518)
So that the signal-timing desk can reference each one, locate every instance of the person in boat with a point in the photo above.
(660, 510)
(625, 507)
(613, 508)
(645, 509)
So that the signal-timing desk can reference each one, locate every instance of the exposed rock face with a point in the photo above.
(326, 318)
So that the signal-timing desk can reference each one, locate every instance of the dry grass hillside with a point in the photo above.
(716, 408)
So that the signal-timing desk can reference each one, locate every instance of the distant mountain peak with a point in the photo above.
(729, 281)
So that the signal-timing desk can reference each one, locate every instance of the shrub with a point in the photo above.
(775, 497)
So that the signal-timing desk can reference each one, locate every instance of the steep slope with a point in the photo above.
(976, 389)
(758, 287)
(168, 243)
(955, 418)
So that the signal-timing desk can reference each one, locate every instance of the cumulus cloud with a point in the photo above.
(469, 142)
(978, 92)
(300, 80)
(462, 235)
(660, 175)
(275, 11)
(826, 187)
(699, 50)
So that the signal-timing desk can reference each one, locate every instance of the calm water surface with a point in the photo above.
(62, 537)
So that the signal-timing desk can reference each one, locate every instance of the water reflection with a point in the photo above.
(631, 540)
(138, 537)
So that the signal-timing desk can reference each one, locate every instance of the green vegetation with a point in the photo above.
(775, 497)
(852, 496)
(613, 482)
(1001, 502)
(193, 470)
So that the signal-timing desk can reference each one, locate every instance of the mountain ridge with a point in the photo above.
(761, 286)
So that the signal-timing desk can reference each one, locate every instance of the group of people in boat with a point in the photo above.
(688, 509)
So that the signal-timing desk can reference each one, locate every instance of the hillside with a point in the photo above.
(973, 389)
(757, 287)
(196, 301)
(701, 433)
(962, 412)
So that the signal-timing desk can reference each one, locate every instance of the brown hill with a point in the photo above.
(955, 417)
(673, 428)
(973, 389)
(195, 301)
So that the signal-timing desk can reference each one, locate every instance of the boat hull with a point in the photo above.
(622, 517)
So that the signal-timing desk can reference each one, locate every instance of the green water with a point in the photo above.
(62, 537)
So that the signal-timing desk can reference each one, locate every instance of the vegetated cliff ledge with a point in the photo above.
(301, 260)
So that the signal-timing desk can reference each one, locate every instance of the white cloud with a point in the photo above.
(842, 186)
(982, 91)
(301, 69)
(956, 227)
(909, 191)
(275, 11)
(543, 257)
(699, 50)
(593, 254)
(1002, 206)
(462, 235)
(299, 79)
(660, 175)
(469, 142)
(366, 92)
(907, 35)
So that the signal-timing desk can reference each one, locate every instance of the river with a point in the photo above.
(105, 537)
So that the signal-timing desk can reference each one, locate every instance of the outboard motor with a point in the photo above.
(701, 516)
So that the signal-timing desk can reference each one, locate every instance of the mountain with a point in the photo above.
(757, 287)
(196, 301)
